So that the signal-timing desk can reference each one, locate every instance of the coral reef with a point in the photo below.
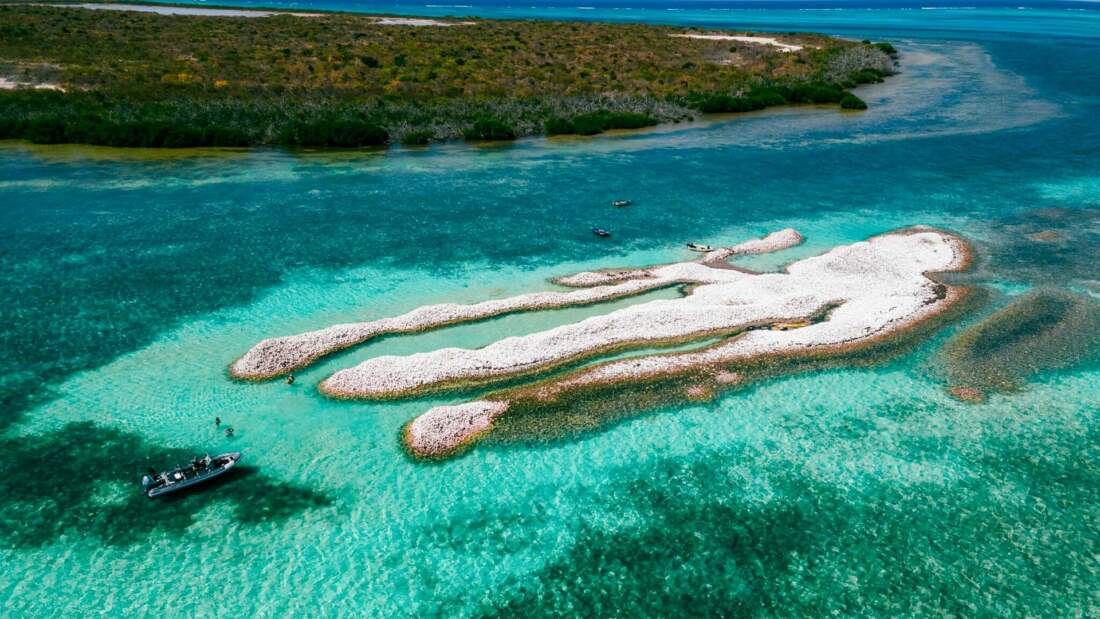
(1041, 330)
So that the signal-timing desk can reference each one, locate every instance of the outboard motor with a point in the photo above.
(147, 482)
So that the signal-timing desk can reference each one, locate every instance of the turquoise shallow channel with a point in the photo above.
(132, 279)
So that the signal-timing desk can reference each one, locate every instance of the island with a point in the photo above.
(160, 76)
(847, 298)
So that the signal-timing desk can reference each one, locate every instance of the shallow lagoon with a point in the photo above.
(865, 490)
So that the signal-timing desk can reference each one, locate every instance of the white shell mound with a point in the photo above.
(278, 356)
(866, 290)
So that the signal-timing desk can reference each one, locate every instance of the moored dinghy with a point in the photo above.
(700, 247)
(201, 470)
(600, 232)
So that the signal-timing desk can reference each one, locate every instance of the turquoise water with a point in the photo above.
(133, 279)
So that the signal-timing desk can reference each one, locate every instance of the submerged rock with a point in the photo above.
(1045, 236)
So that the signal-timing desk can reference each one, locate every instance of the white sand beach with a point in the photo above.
(213, 12)
(8, 84)
(418, 21)
(876, 283)
(783, 47)
(180, 10)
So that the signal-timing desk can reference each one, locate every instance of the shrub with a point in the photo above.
(852, 102)
(559, 126)
(886, 47)
(717, 103)
(9, 128)
(757, 99)
(344, 133)
(44, 129)
(866, 76)
(760, 98)
(489, 129)
(628, 120)
(588, 124)
(417, 138)
(769, 96)
(815, 92)
(592, 123)
(227, 136)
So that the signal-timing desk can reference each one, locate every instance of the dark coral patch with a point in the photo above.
(1046, 246)
(82, 480)
(1042, 330)
(692, 554)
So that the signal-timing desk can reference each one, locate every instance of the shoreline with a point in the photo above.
(78, 150)
(602, 406)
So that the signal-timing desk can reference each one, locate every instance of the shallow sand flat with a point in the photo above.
(783, 47)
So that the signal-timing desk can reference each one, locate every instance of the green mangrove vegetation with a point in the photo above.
(122, 78)
(592, 123)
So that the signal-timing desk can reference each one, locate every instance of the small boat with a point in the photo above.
(699, 247)
(201, 470)
(621, 203)
(600, 232)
